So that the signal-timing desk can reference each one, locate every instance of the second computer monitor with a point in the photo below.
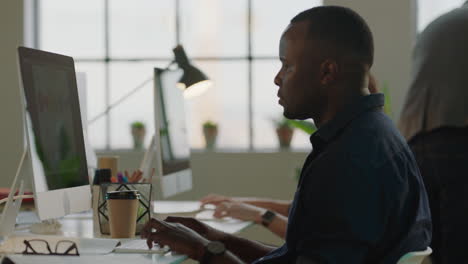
(173, 140)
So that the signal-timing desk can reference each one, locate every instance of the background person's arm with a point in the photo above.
(279, 206)
(279, 225)
(253, 213)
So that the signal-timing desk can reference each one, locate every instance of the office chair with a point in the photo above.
(415, 257)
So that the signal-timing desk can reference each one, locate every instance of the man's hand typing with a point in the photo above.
(178, 237)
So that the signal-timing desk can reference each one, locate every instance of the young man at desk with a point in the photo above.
(360, 198)
(271, 213)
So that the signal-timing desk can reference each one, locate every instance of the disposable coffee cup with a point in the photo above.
(122, 207)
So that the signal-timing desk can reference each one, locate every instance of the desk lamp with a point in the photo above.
(193, 81)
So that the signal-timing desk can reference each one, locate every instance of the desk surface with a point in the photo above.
(110, 258)
(81, 225)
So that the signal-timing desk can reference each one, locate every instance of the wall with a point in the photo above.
(238, 174)
(11, 35)
(393, 24)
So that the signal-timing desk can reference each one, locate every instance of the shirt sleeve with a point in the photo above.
(305, 260)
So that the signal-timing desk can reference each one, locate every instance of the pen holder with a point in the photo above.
(143, 214)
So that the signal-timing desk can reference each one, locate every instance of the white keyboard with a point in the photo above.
(139, 246)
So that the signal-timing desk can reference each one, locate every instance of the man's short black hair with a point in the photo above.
(341, 27)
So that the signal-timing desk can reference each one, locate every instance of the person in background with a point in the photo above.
(434, 120)
(360, 197)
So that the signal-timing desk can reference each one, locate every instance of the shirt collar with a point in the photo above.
(330, 129)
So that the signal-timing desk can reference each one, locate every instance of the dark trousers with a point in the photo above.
(442, 156)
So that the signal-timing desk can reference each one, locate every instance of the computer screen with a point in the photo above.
(54, 132)
(170, 120)
(173, 125)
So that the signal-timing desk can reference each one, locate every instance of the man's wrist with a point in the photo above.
(227, 240)
(220, 236)
(201, 251)
(212, 250)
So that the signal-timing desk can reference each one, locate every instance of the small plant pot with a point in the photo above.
(210, 133)
(138, 137)
(285, 136)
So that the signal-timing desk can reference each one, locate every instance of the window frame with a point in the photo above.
(106, 61)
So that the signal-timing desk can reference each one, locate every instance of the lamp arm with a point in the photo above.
(124, 97)
(119, 101)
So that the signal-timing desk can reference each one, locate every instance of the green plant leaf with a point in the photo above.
(306, 126)
(138, 124)
(388, 100)
(210, 124)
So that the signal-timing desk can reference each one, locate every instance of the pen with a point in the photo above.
(120, 177)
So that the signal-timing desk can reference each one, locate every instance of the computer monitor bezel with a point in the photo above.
(56, 203)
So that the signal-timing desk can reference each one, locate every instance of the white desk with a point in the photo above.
(81, 225)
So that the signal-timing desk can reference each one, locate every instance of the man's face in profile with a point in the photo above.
(298, 79)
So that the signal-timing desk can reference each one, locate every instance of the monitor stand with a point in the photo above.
(13, 205)
(52, 226)
(47, 227)
(13, 202)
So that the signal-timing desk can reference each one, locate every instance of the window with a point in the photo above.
(118, 43)
(428, 10)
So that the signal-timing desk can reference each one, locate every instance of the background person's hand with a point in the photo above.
(202, 229)
(215, 199)
(178, 237)
(240, 211)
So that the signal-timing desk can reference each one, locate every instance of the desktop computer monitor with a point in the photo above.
(54, 133)
(171, 144)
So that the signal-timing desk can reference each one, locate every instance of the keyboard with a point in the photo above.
(139, 246)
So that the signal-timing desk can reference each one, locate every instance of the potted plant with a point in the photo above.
(138, 133)
(210, 131)
(285, 132)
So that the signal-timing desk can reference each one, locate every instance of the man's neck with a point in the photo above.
(340, 102)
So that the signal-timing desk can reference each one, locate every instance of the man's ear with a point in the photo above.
(328, 71)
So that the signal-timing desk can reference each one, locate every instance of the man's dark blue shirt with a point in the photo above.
(360, 197)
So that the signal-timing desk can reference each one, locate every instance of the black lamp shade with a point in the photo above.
(192, 75)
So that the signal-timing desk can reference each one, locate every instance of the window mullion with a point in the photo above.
(250, 77)
(107, 73)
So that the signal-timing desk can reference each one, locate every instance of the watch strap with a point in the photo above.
(268, 217)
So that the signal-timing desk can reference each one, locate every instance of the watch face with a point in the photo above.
(216, 248)
(268, 216)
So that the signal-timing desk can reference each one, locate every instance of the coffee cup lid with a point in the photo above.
(123, 195)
